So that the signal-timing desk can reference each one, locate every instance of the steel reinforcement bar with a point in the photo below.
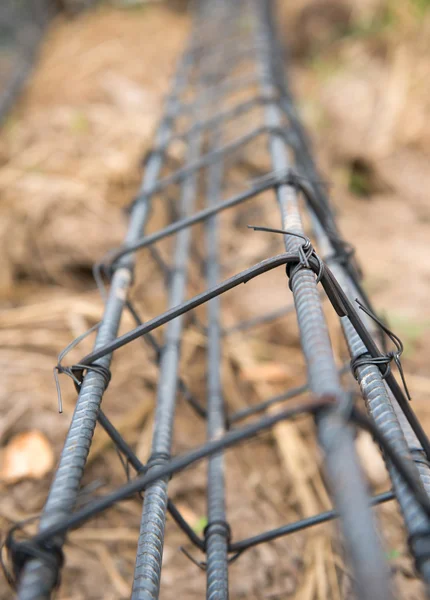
(231, 93)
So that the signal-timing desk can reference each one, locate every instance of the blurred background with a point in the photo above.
(81, 89)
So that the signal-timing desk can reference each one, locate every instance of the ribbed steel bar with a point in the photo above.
(146, 582)
(381, 406)
(139, 467)
(152, 343)
(415, 448)
(345, 477)
(40, 577)
(198, 217)
(298, 134)
(205, 160)
(216, 534)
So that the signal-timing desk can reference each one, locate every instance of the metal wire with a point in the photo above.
(234, 51)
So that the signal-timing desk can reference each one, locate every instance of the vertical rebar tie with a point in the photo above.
(217, 532)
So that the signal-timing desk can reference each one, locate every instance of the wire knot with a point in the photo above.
(157, 459)
(385, 359)
(76, 373)
(304, 253)
(20, 552)
(217, 527)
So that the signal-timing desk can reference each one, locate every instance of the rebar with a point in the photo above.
(38, 581)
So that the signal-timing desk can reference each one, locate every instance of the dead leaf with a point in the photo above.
(27, 454)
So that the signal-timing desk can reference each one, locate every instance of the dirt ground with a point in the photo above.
(70, 161)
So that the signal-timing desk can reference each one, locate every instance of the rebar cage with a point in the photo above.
(230, 149)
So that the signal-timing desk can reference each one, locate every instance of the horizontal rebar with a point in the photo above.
(324, 517)
(176, 465)
(231, 438)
